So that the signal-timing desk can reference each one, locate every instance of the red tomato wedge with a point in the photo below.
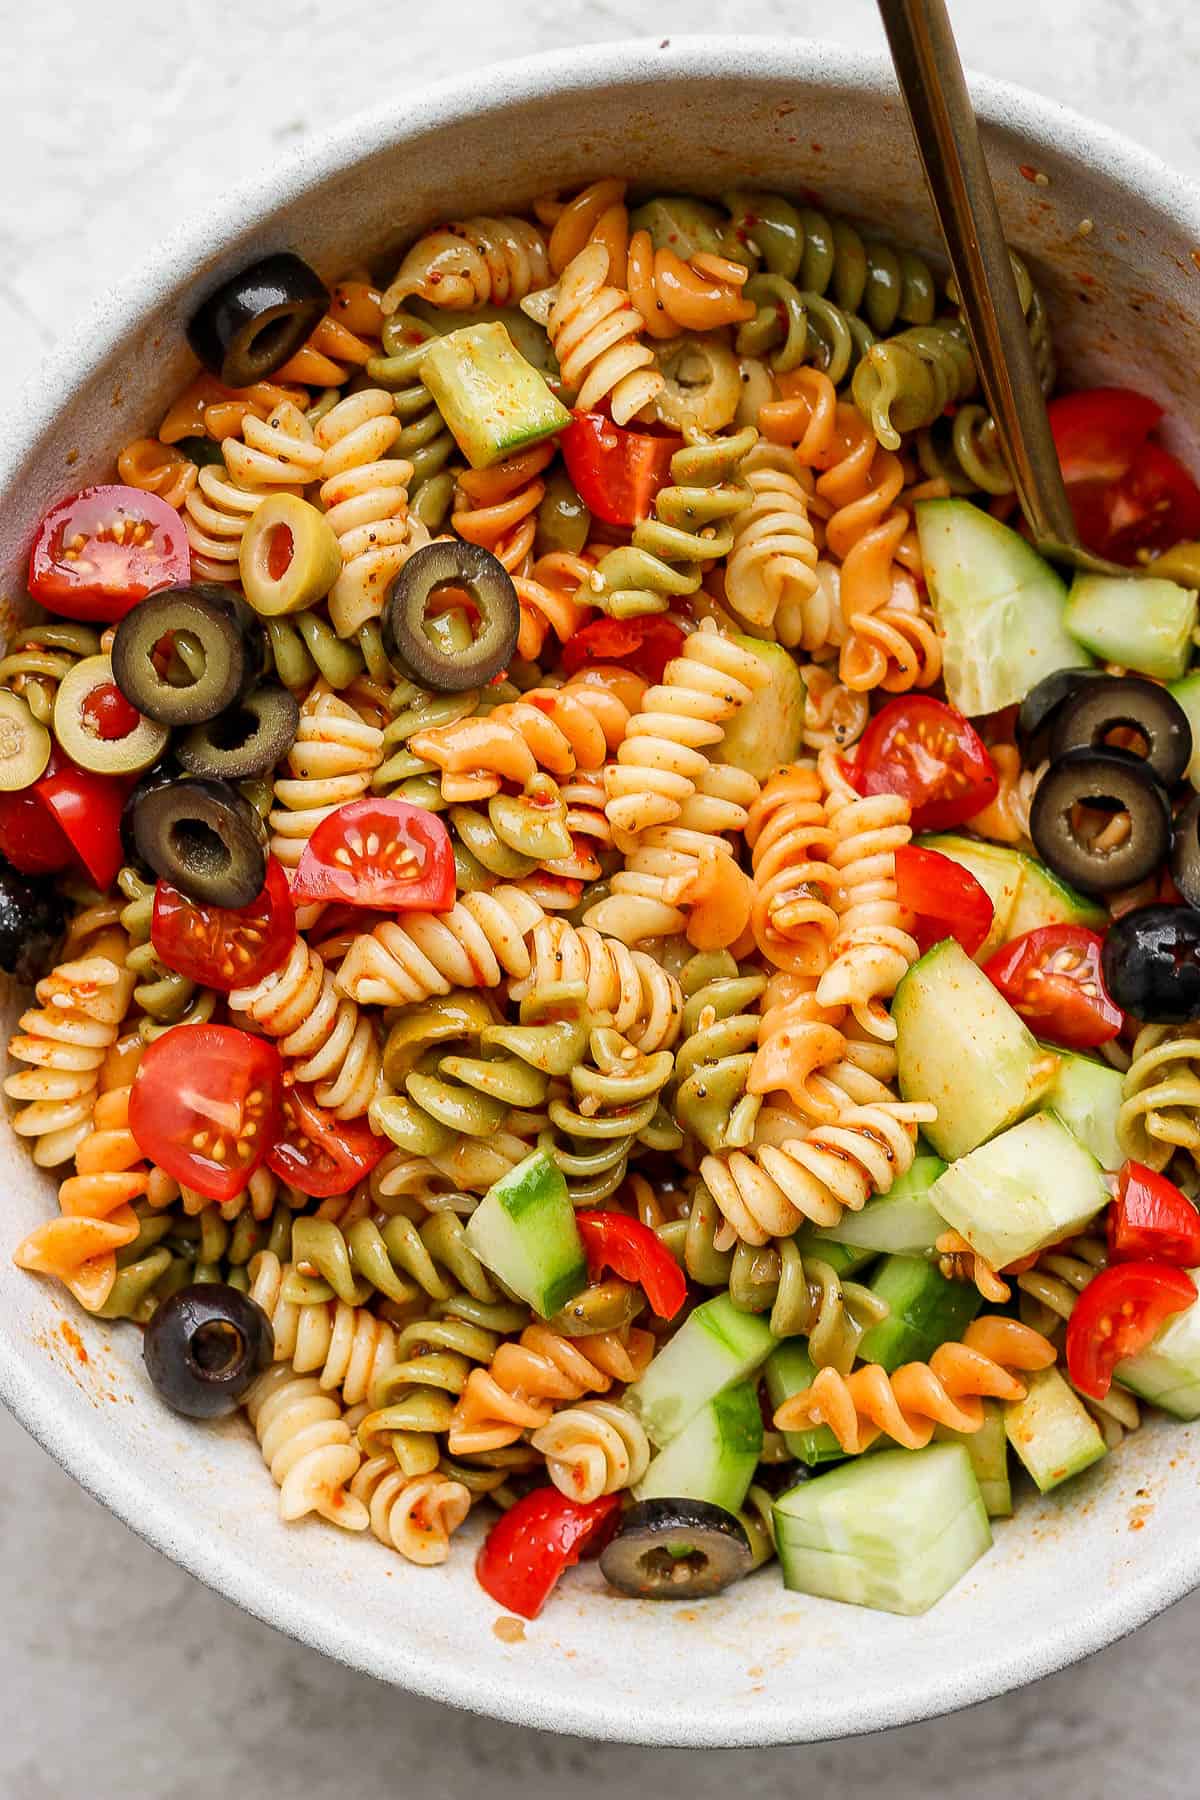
(632, 1251)
(946, 898)
(319, 1153)
(1127, 493)
(931, 756)
(382, 853)
(616, 472)
(87, 809)
(102, 550)
(644, 645)
(1118, 1314)
(1151, 1220)
(205, 1105)
(224, 947)
(527, 1550)
(1052, 977)
(30, 836)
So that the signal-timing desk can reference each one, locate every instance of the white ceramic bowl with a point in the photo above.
(757, 1665)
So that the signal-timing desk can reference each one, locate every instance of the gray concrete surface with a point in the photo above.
(118, 1674)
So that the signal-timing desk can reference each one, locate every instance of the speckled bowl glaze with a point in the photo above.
(757, 1665)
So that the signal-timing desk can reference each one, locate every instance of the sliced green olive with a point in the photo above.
(98, 727)
(203, 837)
(563, 521)
(289, 557)
(24, 744)
(187, 653)
(406, 636)
(246, 740)
(703, 383)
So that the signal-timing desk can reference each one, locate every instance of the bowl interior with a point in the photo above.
(1112, 237)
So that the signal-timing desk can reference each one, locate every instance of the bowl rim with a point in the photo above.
(80, 1450)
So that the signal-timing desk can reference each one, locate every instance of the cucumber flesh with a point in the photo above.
(1087, 1097)
(1142, 622)
(1187, 692)
(988, 1451)
(769, 728)
(1029, 1187)
(960, 1044)
(1167, 1372)
(524, 1231)
(1051, 1431)
(998, 605)
(1042, 899)
(493, 401)
(924, 1310)
(716, 1346)
(715, 1455)
(902, 1222)
(790, 1370)
(996, 869)
(893, 1531)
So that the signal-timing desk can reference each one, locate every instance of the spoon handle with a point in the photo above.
(947, 135)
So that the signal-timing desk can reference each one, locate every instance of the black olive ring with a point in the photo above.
(1116, 781)
(449, 563)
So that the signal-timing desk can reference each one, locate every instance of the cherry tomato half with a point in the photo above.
(946, 898)
(319, 1153)
(1127, 493)
(224, 947)
(205, 1106)
(87, 808)
(1117, 1315)
(1151, 1220)
(645, 645)
(632, 1251)
(30, 836)
(531, 1544)
(382, 853)
(929, 754)
(102, 550)
(616, 472)
(1052, 977)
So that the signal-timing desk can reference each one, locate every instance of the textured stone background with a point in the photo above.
(119, 1675)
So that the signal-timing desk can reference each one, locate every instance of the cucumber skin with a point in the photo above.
(769, 729)
(716, 1346)
(926, 1310)
(789, 1370)
(1145, 623)
(478, 377)
(524, 1224)
(1187, 692)
(988, 1451)
(1087, 1096)
(714, 1457)
(902, 1222)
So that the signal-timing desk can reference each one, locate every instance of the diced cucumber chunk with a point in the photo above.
(1167, 1371)
(902, 1222)
(996, 869)
(988, 1451)
(790, 1369)
(924, 1310)
(494, 402)
(1027, 1188)
(1139, 621)
(960, 1045)
(524, 1231)
(998, 605)
(716, 1346)
(894, 1531)
(769, 728)
(715, 1455)
(1051, 1430)
(1087, 1097)
(1044, 899)
(1187, 692)
(844, 1259)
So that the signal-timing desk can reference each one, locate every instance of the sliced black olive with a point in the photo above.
(1097, 708)
(1151, 964)
(676, 1550)
(159, 776)
(1112, 856)
(258, 319)
(1185, 852)
(202, 836)
(248, 739)
(32, 921)
(1040, 707)
(80, 723)
(450, 563)
(220, 651)
(205, 1347)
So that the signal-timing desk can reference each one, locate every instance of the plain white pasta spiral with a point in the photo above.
(328, 1041)
(308, 1447)
(772, 567)
(640, 998)
(215, 515)
(346, 1347)
(365, 495)
(471, 262)
(332, 760)
(414, 1514)
(592, 1449)
(278, 451)
(596, 331)
(64, 1040)
(474, 945)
